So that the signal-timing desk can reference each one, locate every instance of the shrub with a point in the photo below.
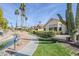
(3, 44)
(58, 32)
(44, 34)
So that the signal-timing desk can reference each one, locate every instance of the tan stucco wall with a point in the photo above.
(40, 29)
(55, 23)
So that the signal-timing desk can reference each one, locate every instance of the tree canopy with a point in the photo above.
(3, 21)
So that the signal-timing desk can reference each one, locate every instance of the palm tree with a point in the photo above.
(25, 20)
(22, 9)
(16, 13)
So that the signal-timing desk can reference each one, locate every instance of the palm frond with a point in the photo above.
(61, 19)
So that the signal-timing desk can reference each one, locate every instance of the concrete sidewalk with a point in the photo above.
(30, 48)
(27, 50)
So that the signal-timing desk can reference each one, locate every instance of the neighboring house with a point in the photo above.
(18, 28)
(38, 27)
(56, 25)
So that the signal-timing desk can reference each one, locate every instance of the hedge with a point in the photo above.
(44, 34)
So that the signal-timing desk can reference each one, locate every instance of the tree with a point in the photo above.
(61, 19)
(5, 24)
(25, 20)
(16, 13)
(22, 9)
(70, 23)
(70, 19)
(77, 16)
(3, 21)
(1, 13)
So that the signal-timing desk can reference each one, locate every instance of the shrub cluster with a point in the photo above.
(3, 44)
(44, 34)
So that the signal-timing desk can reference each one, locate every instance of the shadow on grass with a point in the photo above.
(53, 40)
(43, 40)
(47, 41)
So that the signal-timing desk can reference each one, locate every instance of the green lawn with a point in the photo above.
(54, 49)
(3, 44)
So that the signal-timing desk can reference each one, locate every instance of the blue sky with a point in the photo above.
(35, 12)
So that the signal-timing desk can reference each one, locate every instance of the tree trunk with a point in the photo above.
(16, 24)
(21, 23)
(74, 38)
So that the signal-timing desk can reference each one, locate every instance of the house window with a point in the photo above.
(60, 28)
(77, 37)
(36, 29)
(44, 29)
(51, 28)
(55, 28)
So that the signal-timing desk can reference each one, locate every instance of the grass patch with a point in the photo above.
(48, 48)
(3, 44)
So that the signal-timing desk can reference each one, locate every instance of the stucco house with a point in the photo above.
(38, 27)
(56, 25)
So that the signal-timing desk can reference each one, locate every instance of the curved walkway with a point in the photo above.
(30, 48)
(26, 50)
(6, 36)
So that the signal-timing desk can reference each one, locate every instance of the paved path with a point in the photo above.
(6, 35)
(61, 36)
(30, 48)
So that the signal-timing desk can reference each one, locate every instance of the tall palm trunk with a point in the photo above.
(21, 22)
(16, 24)
(22, 9)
